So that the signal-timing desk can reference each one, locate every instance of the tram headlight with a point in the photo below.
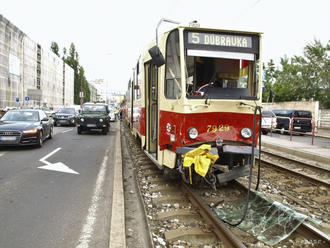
(246, 132)
(192, 133)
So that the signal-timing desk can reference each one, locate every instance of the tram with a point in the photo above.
(194, 102)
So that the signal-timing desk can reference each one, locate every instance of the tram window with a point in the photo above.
(219, 78)
(173, 72)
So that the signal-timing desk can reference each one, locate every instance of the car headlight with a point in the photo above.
(82, 119)
(246, 132)
(101, 120)
(31, 131)
(192, 133)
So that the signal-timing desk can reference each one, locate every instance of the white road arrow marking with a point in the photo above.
(59, 166)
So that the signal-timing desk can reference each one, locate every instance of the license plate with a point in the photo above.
(297, 127)
(91, 125)
(7, 138)
(63, 121)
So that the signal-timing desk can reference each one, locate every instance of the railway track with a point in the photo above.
(179, 217)
(315, 173)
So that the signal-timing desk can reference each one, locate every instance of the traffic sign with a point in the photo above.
(27, 98)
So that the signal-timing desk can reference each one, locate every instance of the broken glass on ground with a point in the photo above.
(267, 220)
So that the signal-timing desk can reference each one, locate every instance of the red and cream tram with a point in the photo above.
(193, 99)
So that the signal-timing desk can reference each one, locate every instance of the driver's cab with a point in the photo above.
(219, 78)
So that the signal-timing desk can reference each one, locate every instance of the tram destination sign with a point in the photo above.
(218, 41)
(224, 40)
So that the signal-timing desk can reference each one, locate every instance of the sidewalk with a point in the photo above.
(298, 149)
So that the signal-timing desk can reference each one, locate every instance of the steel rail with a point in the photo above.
(297, 161)
(217, 226)
(295, 173)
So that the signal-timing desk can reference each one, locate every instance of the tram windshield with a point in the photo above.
(220, 78)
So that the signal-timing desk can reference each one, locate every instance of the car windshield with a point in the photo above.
(282, 112)
(66, 111)
(30, 116)
(303, 114)
(94, 108)
(268, 114)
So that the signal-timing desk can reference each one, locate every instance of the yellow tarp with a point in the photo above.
(201, 157)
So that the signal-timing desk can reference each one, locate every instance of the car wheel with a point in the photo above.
(40, 139)
(264, 132)
(50, 133)
(78, 130)
(55, 124)
(105, 131)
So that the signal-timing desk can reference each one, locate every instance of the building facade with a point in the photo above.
(29, 75)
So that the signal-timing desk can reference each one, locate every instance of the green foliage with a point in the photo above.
(269, 79)
(80, 81)
(54, 48)
(301, 77)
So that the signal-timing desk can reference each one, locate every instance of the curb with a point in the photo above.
(117, 224)
(302, 154)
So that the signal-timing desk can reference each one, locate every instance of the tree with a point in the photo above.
(79, 75)
(54, 48)
(269, 79)
(302, 77)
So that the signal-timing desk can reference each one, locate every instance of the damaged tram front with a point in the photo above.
(199, 97)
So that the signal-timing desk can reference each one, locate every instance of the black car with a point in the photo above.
(94, 116)
(65, 116)
(25, 127)
(302, 120)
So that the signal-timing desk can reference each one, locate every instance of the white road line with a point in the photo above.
(48, 155)
(2, 153)
(88, 228)
(67, 130)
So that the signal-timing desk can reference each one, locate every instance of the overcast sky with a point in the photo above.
(109, 35)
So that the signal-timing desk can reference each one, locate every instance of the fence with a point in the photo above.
(289, 128)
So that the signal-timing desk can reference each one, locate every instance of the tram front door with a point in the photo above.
(151, 108)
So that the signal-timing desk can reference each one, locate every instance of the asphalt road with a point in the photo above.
(70, 207)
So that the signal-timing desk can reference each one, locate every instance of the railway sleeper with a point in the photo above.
(183, 215)
(195, 236)
(171, 199)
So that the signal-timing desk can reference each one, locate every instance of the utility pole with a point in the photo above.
(81, 94)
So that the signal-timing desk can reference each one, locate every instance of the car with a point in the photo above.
(112, 114)
(25, 127)
(94, 116)
(302, 120)
(268, 121)
(49, 112)
(65, 116)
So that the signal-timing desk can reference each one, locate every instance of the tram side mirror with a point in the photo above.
(157, 56)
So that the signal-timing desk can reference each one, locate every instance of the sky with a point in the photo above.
(109, 35)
